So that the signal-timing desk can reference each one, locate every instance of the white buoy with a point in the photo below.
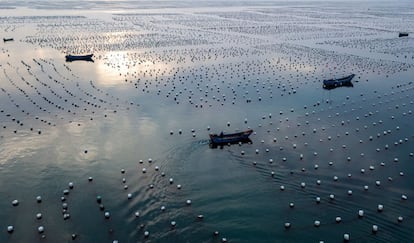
(137, 214)
(173, 223)
(15, 202)
(188, 202)
(10, 228)
(404, 197)
(144, 170)
(375, 228)
(39, 199)
(146, 234)
(332, 196)
(291, 205)
(349, 192)
(347, 237)
(71, 185)
(129, 195)
(282, 188)
(171, 180)
(303, 184)
(338, 219)
(318, 199)
(90, 178)
(360, 213)
(400, 219)
(380, 207)
(162, 208)
(287, 225)
(317, 223)
(40, 229)
(38, 216)
(107, 215)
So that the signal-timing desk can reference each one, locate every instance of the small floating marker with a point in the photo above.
(107, 215)
(272, 173)
(171, 180)
(39, 199)
(125, 187)
(366, 188)
(75, 235)
(317, 223)
(15, 202)
(378, 183)
(188, 202)
(282, 188)
(146, 234)
(98, 199)
(173, 224)
(318, 182)
(200, 216)
(216, 233)
(380, 207)
(123, 171)
(10, 228)
(228, 124)
(287, 225)
(90, 178)
(375, 228)
(171, 132)
(332, 196)
(129, 195)
(404, 197)
(347, 237)
(137, 214)
(149, 160)
(318, 200)
(242, 152)
(38, 216)
(123, 180)
(338, 219)
(349, 192)
(65, 192)
(71, 185)
(144, 170)
(178, 186)
(180, 131)
(400, 219)
(303, 184)
(291, 205)
(41, 229)
(141, 161)
(162, 208)
(224, 240)
(257, 151)
(335, 178)
(395, 159)
(157, 168)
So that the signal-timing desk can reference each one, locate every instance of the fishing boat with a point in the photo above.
(70, 58)
(334, 83)
(8, 39)
(403, 34)
(230, 138)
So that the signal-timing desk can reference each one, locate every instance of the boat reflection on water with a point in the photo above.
(221, 145)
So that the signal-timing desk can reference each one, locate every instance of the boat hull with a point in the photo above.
(70, 58)
(335, 83)
(230, 138)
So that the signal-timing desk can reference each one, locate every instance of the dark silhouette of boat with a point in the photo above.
(403, 34)
(335, 83)
(231, 138)
(71, 58)
(8, 39)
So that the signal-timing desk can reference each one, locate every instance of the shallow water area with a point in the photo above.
(118, 148)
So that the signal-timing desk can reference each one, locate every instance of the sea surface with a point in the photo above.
(117, 149)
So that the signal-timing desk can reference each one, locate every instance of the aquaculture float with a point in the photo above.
(335, 83)
(222, 138)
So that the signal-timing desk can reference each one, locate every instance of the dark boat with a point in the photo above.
(70, 58)
(230, 138)
(8, 39)
(335, 83)
(402, 34)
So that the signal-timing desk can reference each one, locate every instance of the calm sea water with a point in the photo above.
(132, 127)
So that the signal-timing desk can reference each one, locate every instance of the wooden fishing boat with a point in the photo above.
(8, 39)
(334, 83)
(70, 58)
(230, 138)
(403, 34)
